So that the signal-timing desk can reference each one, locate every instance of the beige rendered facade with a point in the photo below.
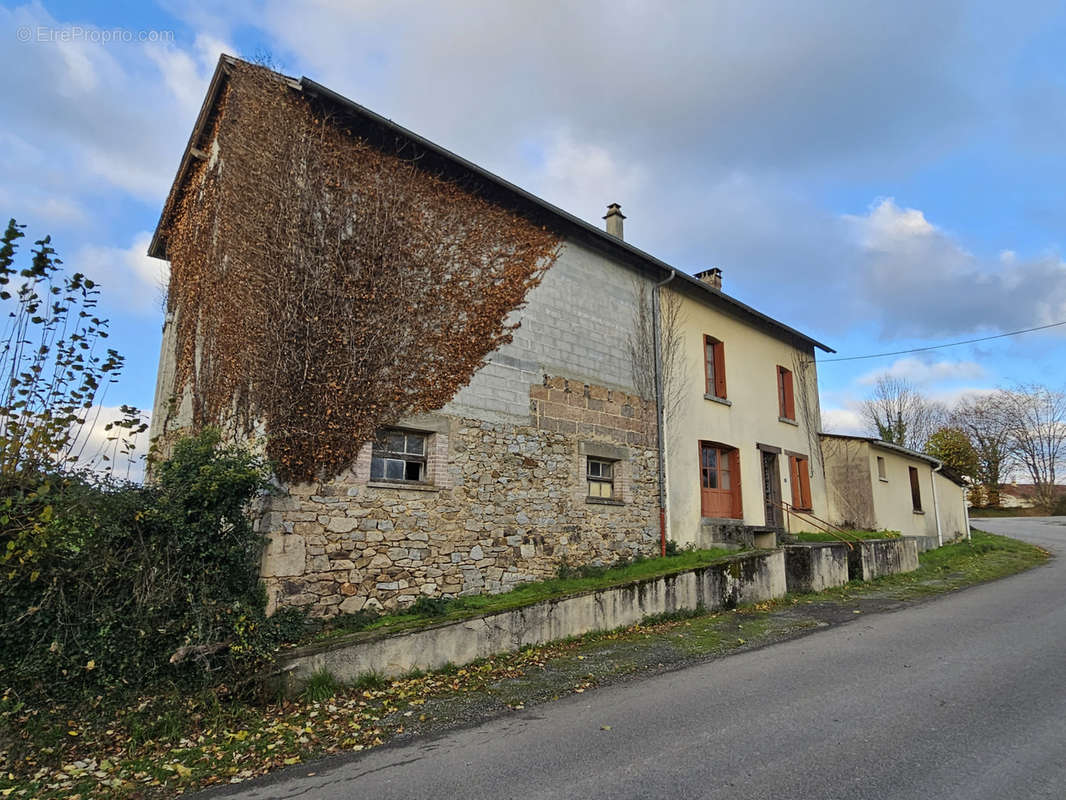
(874, 485)
(741, 429)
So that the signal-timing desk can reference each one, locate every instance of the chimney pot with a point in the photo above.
(712, 277)
(614, 217)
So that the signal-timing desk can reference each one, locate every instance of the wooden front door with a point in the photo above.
(771, 489)
(719, 481)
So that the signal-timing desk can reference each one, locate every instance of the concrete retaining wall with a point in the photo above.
(873, 558)
(746, 578)
(813, 567)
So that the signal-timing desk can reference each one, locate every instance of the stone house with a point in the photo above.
(874, 485)
(549, 454)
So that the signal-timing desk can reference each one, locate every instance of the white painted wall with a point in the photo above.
(893, 508)
(953, 521)
(751, 360)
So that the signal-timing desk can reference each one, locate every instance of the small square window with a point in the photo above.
(600, 474)
(399, 456)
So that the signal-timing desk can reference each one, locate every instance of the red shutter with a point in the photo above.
(785, 397)
(790, 402)
(719, 369)
(794, 478)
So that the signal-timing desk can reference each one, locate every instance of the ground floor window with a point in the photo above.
(399, 456)
(600, 474)
(719, 481)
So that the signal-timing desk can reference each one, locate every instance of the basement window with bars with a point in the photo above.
(399, 456)
(601, 478)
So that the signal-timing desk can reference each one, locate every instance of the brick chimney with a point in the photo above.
(712, 277)
(614, 219)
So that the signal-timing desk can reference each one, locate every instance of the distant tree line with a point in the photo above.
(985, 437)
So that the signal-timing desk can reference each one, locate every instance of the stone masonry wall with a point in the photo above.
(503, 504)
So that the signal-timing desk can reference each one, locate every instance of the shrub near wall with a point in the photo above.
(127, 587)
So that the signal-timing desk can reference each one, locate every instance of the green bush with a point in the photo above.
(124, 587)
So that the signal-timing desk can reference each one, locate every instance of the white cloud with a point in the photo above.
(583, 177)
(922, 373)
(846, 421)
(108, 116)
(920, 280)
(127, 276)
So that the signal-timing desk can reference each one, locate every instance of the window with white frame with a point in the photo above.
(601, 478)
(399, 456)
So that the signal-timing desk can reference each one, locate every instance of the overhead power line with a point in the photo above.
(940, 346)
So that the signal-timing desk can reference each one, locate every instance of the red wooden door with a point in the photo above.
(719, 481)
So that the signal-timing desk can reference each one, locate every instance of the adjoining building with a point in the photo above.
(874, 485)
(742, 435)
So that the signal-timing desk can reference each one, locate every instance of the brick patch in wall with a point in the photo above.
(579, 408)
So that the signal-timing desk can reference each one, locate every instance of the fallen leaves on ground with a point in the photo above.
(122, 755)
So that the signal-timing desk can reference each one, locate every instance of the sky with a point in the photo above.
(881, 176)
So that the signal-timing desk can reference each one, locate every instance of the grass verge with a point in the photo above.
(170, 744)
(848, 535)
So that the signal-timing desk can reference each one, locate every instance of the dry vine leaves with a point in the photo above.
(324, 288)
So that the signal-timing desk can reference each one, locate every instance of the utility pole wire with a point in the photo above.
(939, 346)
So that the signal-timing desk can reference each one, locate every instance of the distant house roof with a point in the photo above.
(380, 130)
(873, 441)
(1027, 491)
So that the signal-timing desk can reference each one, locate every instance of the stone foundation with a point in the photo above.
(503, 504)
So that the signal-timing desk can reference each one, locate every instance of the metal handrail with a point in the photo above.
(823, 525)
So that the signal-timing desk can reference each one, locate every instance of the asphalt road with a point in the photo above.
(961, 697)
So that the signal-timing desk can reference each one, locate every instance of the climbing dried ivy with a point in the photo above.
(323, 288)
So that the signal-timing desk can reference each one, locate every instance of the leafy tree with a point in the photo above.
(53, 365)
(952, 446)
(984, 421)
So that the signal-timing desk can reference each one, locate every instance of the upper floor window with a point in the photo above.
(881, 472)
(399, 456)
(916, 489)
(786, 402)
(601, 478)
(714, 363)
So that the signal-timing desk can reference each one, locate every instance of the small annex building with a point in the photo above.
(875, 485)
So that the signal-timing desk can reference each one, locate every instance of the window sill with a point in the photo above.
(604, 501)
(803, 510)
(716, 399)
(917, 511)
(883, 480)
(788, 421)
(410, 486)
